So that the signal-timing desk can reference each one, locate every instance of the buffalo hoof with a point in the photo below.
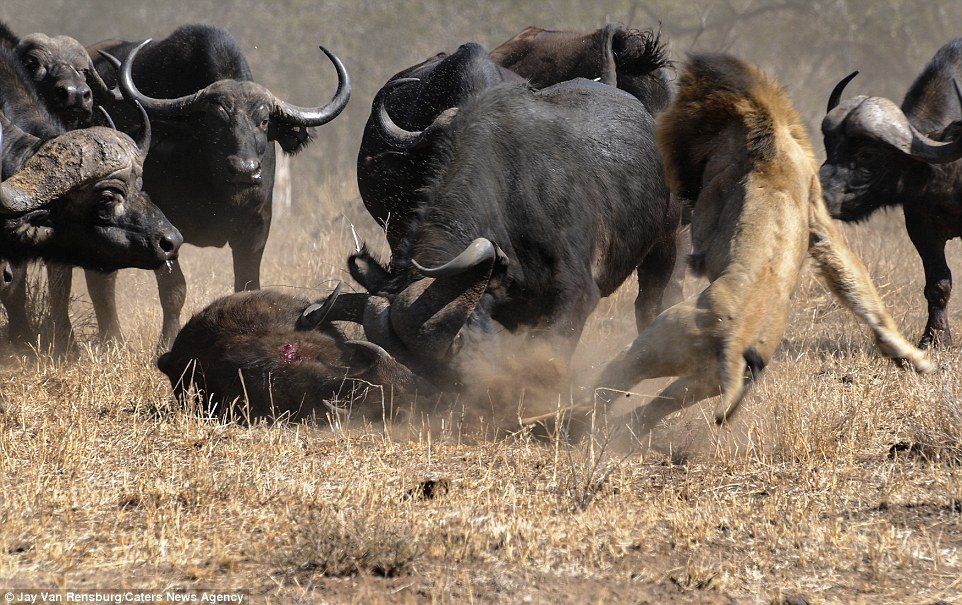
(936, 339)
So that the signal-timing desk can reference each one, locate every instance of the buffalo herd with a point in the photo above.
(515, 187)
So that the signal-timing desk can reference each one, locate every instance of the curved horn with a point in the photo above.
(399, 137)
(609, 69)
(884, 121)
(306, 117)
(143, 143)
(390, 369)
(64, 163)
(315, 314)
(336, 307)
(13, 199)
(97, 84)
(835, 98)
(179, 105)
(110, 120)
(479, 251)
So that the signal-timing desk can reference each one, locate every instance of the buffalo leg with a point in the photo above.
(938, 279)
(58, 329)
(247, 254)
(20, 330)
(655, 275)
(172, 287)
(102, 288)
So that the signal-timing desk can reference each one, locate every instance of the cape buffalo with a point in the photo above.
(62, 72)
(879, 155)
(59, 68)
(543, 202)
(78, 200)
(211, 168)
(279, 355)
(29, 122)
(632, 60)
(391, 179)
(734, 146)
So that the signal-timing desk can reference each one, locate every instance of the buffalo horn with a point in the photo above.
(143, 143)
(883, 120)
(315, 116)
(479, 251)
(176, 106)
(315, 314)
(399, 137)
(609, 69)
(836, 97)
(401, 376)
(375, 352)
(300, 116)
(63, 163)
(110, 120)
(97, 84)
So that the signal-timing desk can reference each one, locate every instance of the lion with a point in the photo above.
(735, 149)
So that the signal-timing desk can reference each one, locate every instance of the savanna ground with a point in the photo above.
(837, 482)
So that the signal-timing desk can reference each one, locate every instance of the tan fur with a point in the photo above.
(734, 140)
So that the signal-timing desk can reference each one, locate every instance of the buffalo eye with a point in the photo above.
(221, 112)
(109, 199)
(867, 155)
(34, 66)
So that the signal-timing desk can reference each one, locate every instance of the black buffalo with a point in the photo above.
(879, 155)
(49, 93)
(279, 356)
(390, 179)
(211, 167)
(538, 204)
(632, 60)
(61, 71)
(77, 199)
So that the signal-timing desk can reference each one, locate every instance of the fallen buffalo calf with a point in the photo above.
(279, 355)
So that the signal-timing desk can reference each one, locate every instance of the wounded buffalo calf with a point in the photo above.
(280, 355)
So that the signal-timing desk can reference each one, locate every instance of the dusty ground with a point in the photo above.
(838, 481)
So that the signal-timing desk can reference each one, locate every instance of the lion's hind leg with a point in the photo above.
(850, 282)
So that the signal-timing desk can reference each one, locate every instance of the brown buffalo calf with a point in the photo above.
(263, 349)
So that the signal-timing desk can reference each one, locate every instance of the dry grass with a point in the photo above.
(838, 482)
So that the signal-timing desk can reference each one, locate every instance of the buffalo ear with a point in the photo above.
(34, 229)
(367, 271)
(292, 139)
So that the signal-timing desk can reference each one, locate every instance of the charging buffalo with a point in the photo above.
(538, 204)
(391, 179)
